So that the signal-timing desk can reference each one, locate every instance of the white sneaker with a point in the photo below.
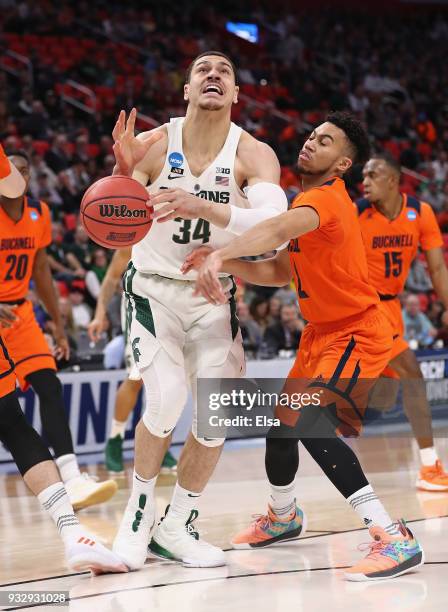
(83, 553)
(134, 533)
(177, 541)
(85, 491)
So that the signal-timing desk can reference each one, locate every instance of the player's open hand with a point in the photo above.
(128, 149)
(171, 203)
(96, 327)
(7, 316)
(62, 348)
(195, 259)
(207, 283)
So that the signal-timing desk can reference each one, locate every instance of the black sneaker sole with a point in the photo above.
(403, 568)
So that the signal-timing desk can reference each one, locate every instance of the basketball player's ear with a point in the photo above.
(344, 164)
(235, 94)
(186, 91)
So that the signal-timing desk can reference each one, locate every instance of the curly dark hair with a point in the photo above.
(355, 133)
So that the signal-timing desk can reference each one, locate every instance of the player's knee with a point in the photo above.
(46, 384)
(406, 365)
(208, 442)
(10, 413)
(163, 409)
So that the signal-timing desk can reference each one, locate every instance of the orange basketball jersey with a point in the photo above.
(19, 242)
(391, 246)
(329, 264)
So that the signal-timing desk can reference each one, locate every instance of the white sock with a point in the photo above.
(371, 511)
(182, 503)
(117, 429)
(68, 467)
(143, 486)
(283, 499)
(55, 501)
(428, 456)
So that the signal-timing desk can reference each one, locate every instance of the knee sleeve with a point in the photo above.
(166, 394)
(55, 426)
(22, 441)
(210, 442)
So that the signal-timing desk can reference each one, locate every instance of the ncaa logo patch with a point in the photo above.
(33, 215)
(411, 215)
(176, 159)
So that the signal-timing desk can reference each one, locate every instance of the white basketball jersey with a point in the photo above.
(164, 248)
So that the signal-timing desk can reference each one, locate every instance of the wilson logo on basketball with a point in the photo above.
(108, 210)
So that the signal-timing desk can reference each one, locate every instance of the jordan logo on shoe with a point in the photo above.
(139, 513)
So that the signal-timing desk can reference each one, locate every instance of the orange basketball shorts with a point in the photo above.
(26, 345)
(7, 375)
(340, 364)
(392, 310)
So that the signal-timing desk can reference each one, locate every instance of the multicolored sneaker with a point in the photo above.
(432, 478)
(114, 454)
(169, 464)
(389, 556)
(269, 529)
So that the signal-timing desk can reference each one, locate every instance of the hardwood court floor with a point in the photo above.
(302, 575)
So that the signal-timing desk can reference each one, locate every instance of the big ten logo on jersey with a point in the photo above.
(220, 170)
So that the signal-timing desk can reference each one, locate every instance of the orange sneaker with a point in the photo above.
(389, 556)
(432, 478)
(269, 529)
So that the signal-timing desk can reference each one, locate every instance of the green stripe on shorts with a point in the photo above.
(143, 312)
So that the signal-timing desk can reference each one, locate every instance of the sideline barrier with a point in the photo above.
(89, 399)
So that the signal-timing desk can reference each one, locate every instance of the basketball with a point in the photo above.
(114, 212)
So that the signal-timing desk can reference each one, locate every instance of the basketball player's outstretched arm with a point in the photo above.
(257, 166)
(264, 237)
(12, 183)
(109, 285)
(272, 272)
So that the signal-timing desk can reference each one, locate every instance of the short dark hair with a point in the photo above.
(355, 132)
(388, 159)
(219, 54)
(19, 153)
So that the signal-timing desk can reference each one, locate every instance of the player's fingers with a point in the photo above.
(215, 287)
(162, 211)
(131, 122)
(150, 139)
(162, 196)
(169, 217)
(119, 126)
(204, 291)
(7, 314)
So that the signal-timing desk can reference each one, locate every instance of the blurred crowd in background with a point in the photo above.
(384, 65)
